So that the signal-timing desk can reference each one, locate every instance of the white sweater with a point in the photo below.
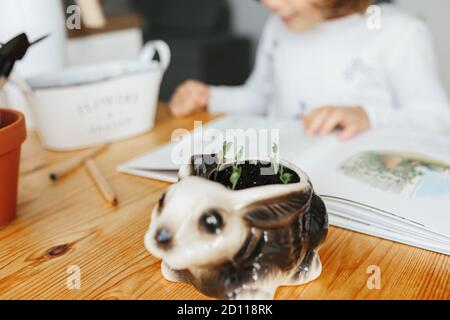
(391, 72)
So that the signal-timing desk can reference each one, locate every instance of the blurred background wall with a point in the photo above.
(202, 38)
(436, 14)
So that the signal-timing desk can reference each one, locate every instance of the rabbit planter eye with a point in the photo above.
(243, 243)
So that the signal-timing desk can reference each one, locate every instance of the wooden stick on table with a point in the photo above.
(92, 13)
(101, 182)
(71, 165)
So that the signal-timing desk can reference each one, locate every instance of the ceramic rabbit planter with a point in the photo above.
(242, 243)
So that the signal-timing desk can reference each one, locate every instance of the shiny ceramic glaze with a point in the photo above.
(269, 236)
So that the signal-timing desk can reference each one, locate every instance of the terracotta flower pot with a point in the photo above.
(12, 135)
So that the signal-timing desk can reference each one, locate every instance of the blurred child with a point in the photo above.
(320, 61)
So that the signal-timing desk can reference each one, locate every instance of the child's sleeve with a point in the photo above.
(255, 95)
(419, 95)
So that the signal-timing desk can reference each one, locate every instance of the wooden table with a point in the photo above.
(68, 224)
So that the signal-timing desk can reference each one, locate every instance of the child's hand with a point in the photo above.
(190, 97)
(324, 120)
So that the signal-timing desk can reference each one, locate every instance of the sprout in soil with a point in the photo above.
(221, 157)
(285, 177)
(236, 170)
(274, 157)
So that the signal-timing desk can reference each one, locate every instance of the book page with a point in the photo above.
(405, 174)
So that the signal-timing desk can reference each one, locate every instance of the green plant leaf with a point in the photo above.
(240, 153)
(274, 158)
(221, 157)
(286, 178)
(238, 157)
(235, 176)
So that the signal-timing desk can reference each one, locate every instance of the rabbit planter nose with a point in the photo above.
(239, 239)
(163, 237)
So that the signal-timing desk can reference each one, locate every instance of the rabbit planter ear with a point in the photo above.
(274, 206)
(199, 165)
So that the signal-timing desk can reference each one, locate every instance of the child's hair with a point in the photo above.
(340, 8)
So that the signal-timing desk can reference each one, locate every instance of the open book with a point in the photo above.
(390, 184)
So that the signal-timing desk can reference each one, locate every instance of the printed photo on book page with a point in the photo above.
(402, 173)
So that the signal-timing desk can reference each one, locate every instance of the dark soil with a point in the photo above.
(251, 176)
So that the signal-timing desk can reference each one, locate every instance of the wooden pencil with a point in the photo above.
(71, 165)
(101, 182)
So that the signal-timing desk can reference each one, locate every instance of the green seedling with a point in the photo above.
(221, 157)
(285, 177)
(236, 170)
(274, 158)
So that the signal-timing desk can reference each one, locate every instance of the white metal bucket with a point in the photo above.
(84, 106)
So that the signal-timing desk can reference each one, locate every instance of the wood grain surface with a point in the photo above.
(68, 224)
